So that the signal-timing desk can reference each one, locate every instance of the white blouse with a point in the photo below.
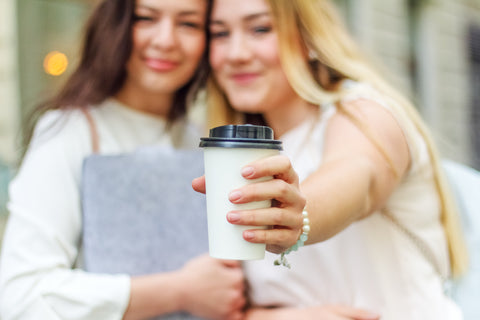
(41, 274)
(371, 264)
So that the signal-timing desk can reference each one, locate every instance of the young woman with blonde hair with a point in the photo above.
(384, 229)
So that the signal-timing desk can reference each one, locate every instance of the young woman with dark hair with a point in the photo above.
(103, 71)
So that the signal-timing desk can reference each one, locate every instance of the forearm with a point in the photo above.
(204, 287)
(338, 194)
(365, 156)
(154, 295)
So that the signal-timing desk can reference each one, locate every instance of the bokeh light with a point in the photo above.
(55, 63)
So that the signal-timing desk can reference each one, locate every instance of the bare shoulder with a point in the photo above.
(366, 127)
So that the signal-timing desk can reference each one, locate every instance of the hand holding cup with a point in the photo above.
(266, 203)
(284, 218)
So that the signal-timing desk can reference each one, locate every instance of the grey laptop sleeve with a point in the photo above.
(140, 213)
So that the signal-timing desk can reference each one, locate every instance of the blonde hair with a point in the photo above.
(305, 26)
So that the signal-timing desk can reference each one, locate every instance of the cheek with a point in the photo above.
(269, 53)
(215, 57)
(195, 48)
(200, 44)
(138, 39)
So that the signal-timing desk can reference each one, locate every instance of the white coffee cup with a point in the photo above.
(226, 151)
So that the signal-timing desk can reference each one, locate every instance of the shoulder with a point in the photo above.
(364, 98)
(53, 162)
(365, 126)
(359, 99)
(404, 116)
(369, 116)
(60, 125)
(61, 138)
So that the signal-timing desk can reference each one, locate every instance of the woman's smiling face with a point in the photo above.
(244, 56)
(168, 44)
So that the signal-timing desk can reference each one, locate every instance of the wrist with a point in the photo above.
(300, 242)
(181, 291)
(154, 295)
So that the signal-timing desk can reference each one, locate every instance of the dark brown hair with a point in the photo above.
(101, 72)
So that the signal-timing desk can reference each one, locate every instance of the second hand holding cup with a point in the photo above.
(226, 151)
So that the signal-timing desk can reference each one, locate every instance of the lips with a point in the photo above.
(161, 65)
(244, 78)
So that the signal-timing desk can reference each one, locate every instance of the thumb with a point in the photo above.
(231, 263)
(198, 184)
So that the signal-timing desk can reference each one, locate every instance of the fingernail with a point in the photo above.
(247, 172)
(233, 217)
(234, 195)
(248, 235)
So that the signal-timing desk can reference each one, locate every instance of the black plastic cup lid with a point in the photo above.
(241, 136)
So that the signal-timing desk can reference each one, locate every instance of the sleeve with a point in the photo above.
(41, 242)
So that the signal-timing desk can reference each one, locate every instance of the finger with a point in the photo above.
(239, 303)
(198, 184)
(282, 192)
(266, 217)
(276, 249)
(278, 166)
(231, 263)
(278, 237)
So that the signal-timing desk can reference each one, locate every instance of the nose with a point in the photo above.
(164, 35)
(239, 48)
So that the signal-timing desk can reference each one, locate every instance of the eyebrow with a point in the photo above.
(145, 7)
(181, 13)
(247, 18)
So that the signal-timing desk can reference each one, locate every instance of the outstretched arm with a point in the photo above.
(359, 171)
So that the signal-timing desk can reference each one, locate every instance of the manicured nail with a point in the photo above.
(234, 195)
(248, 235)
(247, 172)
(233, 217)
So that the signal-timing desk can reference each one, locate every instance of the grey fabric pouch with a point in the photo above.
(140, 213)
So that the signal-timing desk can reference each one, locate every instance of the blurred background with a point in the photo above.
(430, 49)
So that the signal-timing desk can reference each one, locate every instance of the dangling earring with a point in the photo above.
(312, 55)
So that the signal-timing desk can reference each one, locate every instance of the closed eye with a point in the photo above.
(137, 18)
(219, 34)
(193, 25)
(261, 30)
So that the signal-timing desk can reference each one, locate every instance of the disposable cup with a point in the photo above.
(226, 151)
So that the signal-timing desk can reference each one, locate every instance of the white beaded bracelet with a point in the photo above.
(300, 242)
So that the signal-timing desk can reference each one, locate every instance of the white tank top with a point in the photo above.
(371, 264)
